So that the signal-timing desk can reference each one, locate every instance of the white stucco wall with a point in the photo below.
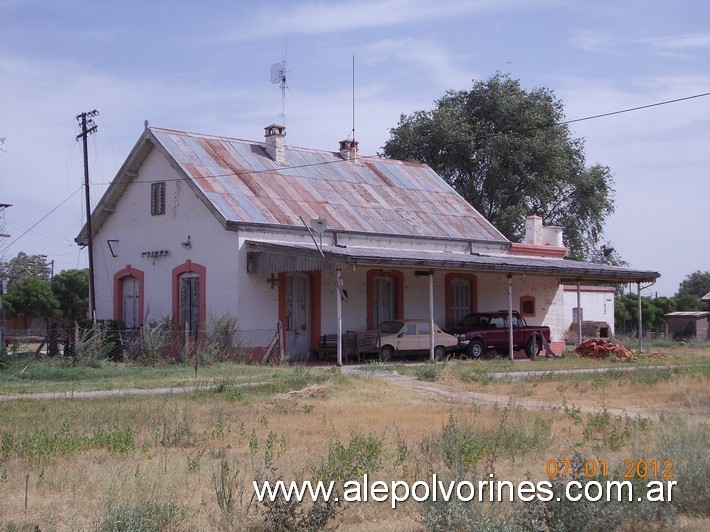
(137, 231)
(597, 304)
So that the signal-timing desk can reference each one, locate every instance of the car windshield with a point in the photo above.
(390, 327)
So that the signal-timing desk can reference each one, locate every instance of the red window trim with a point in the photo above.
(314, 279)
(527, 299)
(398, 278)
(189, 267)
(118, 277)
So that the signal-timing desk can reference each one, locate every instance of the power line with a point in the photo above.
(45, 216)
(633, 109)
(374, 157)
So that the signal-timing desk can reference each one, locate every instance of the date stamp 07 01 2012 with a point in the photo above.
(598, 468)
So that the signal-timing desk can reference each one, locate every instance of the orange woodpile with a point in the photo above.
(599, 348)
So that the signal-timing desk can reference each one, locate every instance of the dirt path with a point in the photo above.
(437, 391)
(447, 394)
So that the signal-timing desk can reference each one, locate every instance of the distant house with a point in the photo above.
(684, 326)
(198, 225)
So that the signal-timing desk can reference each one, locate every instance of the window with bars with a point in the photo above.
(157, 198)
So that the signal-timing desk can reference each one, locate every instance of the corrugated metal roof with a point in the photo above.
(375, 195)
(272, 257)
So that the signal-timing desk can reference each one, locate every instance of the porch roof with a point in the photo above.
(270, 257)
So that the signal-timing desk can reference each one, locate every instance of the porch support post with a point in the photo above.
(579, 314)
(640, 319)
(431, 316)
(510, 316)
(339, 314)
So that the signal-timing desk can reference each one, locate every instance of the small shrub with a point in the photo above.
(220, 338)
(146, 516)
(427, 372)
(603, 430)
(228, 483)
(472, 372)
(686, 443)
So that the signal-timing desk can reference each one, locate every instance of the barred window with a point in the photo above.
(157, 198)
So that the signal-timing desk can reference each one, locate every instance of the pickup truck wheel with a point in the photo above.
(386, 353)
(475, 349)
(440, 353)
(533, 347)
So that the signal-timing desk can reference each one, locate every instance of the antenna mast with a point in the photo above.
(353, 97)
(278, 77)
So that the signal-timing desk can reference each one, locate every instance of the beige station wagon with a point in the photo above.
(412, 337)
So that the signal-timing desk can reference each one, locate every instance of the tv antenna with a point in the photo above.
(278, 77)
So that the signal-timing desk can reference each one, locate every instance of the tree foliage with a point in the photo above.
(695, 284)
(71, 287)
(653, 310)
(33, 297)
(22, 267)
(502, 149)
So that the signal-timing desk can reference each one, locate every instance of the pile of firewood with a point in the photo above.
(601, 349)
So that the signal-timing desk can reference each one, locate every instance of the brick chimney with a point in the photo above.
(348, 149)
(275, 136)
(533, 230)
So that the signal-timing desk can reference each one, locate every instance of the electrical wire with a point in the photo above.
(44, 217)
(323, 163)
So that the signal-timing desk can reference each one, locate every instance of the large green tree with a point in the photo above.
(504, 150)
(695, 284)
(33, 297)
(71, 287)
(23, 266)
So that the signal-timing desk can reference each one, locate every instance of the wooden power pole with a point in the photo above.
(86, 121)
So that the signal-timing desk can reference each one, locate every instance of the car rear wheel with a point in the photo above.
(475, 349)
(386, 353)
(439, 353)
(533, 347)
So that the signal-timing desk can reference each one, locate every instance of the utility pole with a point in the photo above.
(3, 206)
(86, 121)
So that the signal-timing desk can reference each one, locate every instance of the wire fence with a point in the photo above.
(149, 344)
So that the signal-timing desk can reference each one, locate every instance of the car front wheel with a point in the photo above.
(386, 353)
(439, 353)
(475, 349)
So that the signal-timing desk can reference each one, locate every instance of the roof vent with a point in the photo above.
(348, 149)
(275, 136)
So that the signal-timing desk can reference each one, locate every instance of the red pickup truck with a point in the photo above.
(482, 331)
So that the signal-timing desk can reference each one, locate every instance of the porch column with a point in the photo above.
(510, 316)
(339, 314)
(638, 285)
(579, 314)
(431, 316)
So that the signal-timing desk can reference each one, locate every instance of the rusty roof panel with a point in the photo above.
(371, 195)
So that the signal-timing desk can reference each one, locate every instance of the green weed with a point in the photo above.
(427, 372)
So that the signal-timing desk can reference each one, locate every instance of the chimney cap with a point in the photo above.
(274, 129)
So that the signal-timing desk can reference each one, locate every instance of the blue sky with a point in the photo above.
(205, 66)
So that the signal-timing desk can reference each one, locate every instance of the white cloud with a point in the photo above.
(681, 42)
(594, 41)
(322, 17)
(433, 60)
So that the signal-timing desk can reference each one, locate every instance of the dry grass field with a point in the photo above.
(186, 462)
